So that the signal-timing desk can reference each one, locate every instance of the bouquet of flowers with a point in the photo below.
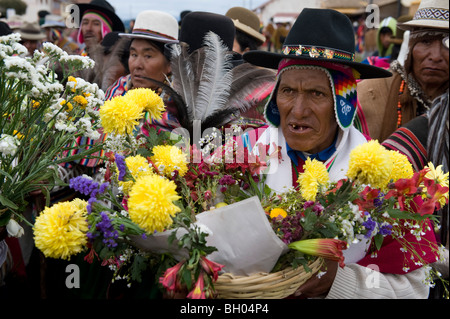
(380, 197)
(42, 118)
(154, 189)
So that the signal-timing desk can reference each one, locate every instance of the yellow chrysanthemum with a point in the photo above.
(138, 167)
(401, 168)
(60, 230)
(171, 158)
(438, 175)
(314, 176)
(370, 164)
(148, 100)
(119, 116)
(151, 203)
(274, 213)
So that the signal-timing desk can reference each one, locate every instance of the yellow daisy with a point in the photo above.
(148, 100)
(370, 164)
(171, 158)
(151, 203)
(60, 230)
(401, 168)
(119, 116)
(315, 175)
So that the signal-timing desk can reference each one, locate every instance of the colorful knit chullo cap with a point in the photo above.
(343, 86)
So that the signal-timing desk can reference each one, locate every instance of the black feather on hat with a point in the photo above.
(320, 35)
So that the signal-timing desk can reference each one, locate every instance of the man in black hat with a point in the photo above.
(98, 18)
(311, 113)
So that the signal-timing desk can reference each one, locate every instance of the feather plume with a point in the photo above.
(183, 75)
(249, 86)
(216, 78)
(205, 87)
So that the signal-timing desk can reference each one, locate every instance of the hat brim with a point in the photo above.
(147, 37)
(271, 60)
(248, 30)
(117, 24)
(414, 24)
(32, 36)
(53, 25)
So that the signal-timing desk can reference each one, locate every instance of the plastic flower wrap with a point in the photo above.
(41, 121)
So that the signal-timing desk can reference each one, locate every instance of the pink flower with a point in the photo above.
(169, 279)
(210, 267)
(322, 247)
(198, 291)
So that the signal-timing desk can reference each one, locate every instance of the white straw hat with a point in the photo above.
(430, 14)
(154, 25)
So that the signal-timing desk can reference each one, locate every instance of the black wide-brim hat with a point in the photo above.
(105, 9)
(197, 24)
(318, 35)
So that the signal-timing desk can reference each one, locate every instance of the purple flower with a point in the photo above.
(121, 166)
(308, 203)
(227, 180)
(318, 208)
(107, 230)
(385, 230)
(103, 187)
(91, 201)
(370, 225)
(84, 185)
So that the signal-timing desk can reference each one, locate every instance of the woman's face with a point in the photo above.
(430, 64)
(146, 60)
(306, 106)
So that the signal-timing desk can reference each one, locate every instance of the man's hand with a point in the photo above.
(319, 286)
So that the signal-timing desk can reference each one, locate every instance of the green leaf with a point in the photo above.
(310, 220)
(187, 277)
(137, 267)
(6, 202)
(378, 238)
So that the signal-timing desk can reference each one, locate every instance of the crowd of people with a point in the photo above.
(398, 94)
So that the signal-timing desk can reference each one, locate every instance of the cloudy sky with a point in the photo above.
(130, 8)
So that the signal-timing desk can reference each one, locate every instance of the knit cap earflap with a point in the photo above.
(343, 85)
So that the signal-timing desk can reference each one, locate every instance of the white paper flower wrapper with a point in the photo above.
(241, 232)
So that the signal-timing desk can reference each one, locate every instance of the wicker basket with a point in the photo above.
(276, 285)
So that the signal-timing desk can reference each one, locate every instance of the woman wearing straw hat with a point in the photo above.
(152, 31)
(424, 75)
(311, 113)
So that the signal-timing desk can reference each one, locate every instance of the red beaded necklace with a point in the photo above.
(399, 105)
